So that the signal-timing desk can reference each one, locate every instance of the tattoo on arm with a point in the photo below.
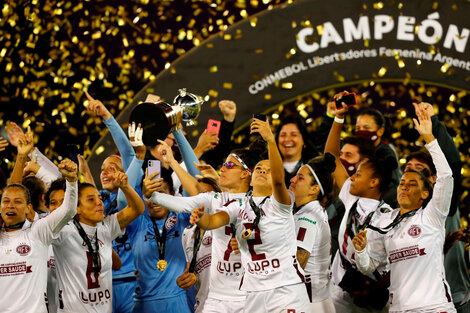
(302, 257)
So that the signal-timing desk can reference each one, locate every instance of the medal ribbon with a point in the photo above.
(256, 209)
(161, 240)
(94, 253)
(395, 222)
(197, 244)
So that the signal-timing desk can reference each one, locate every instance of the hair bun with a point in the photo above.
(329, 162)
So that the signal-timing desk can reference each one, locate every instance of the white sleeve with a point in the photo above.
(283, 208)
(46, 176)
(181, 204)
(45, 163)
(438, 208)
(232, 210)
(188, 243)
(46, 229)
(374, 255)
(307, 231)
(112, 224)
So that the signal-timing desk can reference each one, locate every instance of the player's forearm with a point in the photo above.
(67, 210)
(189, 183)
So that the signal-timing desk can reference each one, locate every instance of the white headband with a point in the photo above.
(241, 161)
(316, 178)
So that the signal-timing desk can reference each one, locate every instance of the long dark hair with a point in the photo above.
(308, 150)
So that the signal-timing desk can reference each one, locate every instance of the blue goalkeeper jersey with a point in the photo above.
(152, 283)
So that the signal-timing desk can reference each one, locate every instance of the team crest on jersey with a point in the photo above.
(207, 241)
(171, 222)
(23, 249)
(414, 231)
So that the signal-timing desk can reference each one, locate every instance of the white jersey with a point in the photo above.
(269, 255)
(52, 287)
(314, 236)
(23, 258)
(365, 206)
(81, 289)
(226, 266)
(203, 263)
(414, 248)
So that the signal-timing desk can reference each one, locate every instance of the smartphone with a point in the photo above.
(72, 153)
(261, 117)
(213, 126)
(348, 98)
(154, 166)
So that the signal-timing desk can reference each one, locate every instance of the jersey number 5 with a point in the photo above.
(92, 277)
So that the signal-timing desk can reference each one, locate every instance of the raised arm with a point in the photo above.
(24, 147)
(119, 137)
(190, 184)
(333, 143)
(450, 151)
(46, 229)
(442, 192)
(186, 152)
(275, 161)
(135, 205)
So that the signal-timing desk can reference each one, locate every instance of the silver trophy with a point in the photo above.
(190, 105)
(158, 118)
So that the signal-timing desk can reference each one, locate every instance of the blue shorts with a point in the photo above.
(178, 304)
(123, 295)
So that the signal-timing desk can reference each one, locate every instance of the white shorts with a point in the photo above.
(325, 306)
(217, 306)
(285, 299)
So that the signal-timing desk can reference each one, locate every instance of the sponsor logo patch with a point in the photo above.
(207, 241)
(171, 222)
(414, 231)
(23, 249)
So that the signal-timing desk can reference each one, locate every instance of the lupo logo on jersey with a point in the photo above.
(414, 231)
(23, 249)
(171, 222)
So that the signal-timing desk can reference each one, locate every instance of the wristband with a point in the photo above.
(339, 120)
(330, 115)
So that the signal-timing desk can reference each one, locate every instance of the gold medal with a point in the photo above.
(246, 234)
(194, 276)
(161, 265)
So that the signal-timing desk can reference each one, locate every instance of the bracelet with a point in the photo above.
(339, 120)
(330, 115)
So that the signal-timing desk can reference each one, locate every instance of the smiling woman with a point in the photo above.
(292, 140)
(25, 245)
(83, 248)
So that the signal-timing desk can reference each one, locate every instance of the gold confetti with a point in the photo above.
(227, 85)
(213, 69)
(382, 71)
(287, 85)
(445, 68)
(213, 93)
